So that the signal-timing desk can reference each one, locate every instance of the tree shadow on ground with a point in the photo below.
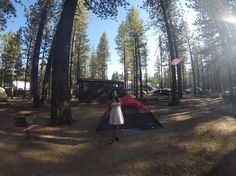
(225, 167)
(78, 150)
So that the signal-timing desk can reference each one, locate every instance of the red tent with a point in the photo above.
(136, 115)
(127, 101)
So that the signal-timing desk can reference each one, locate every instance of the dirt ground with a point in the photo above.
(198, 139)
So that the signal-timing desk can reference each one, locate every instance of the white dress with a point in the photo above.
(116, 115)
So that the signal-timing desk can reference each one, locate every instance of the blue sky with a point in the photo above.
(97, 26)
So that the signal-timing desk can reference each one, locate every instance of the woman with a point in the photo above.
(116, 116)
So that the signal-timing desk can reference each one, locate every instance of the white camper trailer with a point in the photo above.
(3, 95)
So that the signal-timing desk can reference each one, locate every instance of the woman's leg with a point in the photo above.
(116, 133)
(113, 136)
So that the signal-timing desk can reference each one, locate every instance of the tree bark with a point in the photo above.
(78, 61)
(27, 67)
(202, 75)
(140, 70)
(35, 61)
(60, 107)
(125, 70)
(136, 65)
(47, 77)
(180, 89)
(42, 65)
(161, 57)
(71, 62)
(193, 68)
(174, 101)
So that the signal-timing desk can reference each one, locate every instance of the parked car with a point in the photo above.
(188, 91)
(203, 92)
(165, 91)
(156, 92)
(226, 94)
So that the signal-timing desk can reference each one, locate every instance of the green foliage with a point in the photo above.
(11, 55)
(7, 10)
(102, 56)
(137, 48)
(115, 76)
(217, 36)
(93, 65)
(134, 22)
(122, 42)
(105, 8)
(81, 41)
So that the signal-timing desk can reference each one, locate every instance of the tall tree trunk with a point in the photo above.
(125, 70)
(134, 72)
(27, 67)
(230, 80)
(71, 61)
(161, 57)
(1, 77)
(47, 76)
(172, 54)
(42, 65)
(60, 107)
(183, 73)
(140, 69)
(136, 65)
(198, 72)
(202, 75)
(25, 79)
(78, 63)
(192, 64)
(180, 89)
(35, 61)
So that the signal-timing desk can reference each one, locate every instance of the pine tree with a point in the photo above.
(7, 10)
(102, 56)
(93, 65)
(123, 49)
(81, 42)
(11, 58)
(162, 14)
(137, 46)
(217, 34)
(29, 35)
(115, 76)
(53, 20)
(60, 108)
(35, 59)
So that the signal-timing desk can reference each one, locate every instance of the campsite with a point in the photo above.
(117, 88)
(196, 140)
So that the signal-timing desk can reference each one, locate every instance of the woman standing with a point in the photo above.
(116, 115)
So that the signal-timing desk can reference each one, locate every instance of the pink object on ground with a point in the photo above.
(28, 128)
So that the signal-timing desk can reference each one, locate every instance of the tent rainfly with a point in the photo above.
(136, 115)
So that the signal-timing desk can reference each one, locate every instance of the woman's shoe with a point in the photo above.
(110, 141)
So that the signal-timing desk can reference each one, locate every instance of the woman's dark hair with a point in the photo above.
(110, 96)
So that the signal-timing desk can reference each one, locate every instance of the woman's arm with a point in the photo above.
(109, 103)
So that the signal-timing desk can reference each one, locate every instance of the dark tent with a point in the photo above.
(136, 115)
